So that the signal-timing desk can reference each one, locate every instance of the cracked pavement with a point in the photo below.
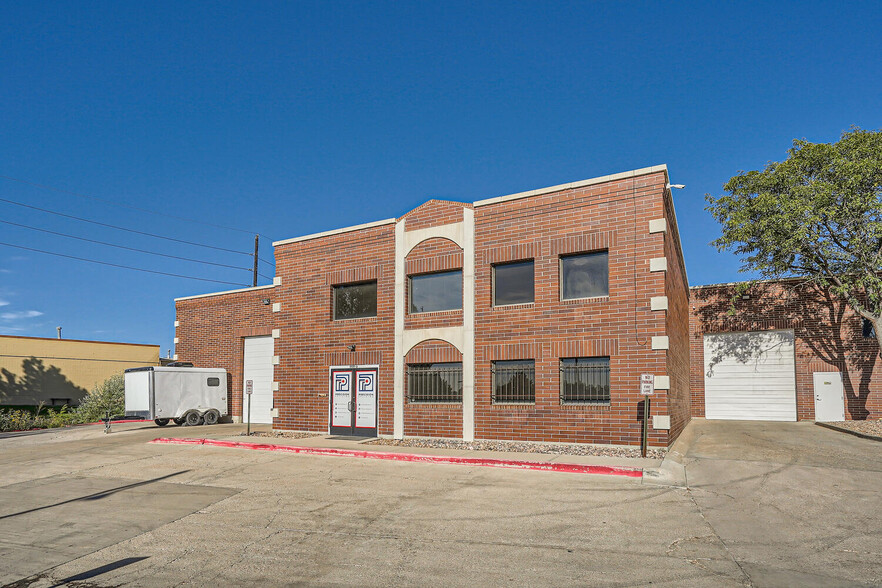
(763, 504)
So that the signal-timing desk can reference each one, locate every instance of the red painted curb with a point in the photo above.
(413, 457)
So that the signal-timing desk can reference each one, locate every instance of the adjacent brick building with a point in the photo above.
(524, 317)
(818, 340)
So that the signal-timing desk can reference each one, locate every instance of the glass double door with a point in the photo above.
(354, 401)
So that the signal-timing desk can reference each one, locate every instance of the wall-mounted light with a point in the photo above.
(677, 186)
(351, 347)
(266, 301)
(745, 297)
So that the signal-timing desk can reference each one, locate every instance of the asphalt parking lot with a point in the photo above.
(758, 505)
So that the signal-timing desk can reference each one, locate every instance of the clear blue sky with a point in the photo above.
(292, 117)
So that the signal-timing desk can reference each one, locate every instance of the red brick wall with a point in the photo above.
(434, 213)
(613, 216)
(677, 326)
(311, 341)
(827, 338)
(211, 333)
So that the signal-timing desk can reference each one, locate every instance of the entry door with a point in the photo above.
(354, 402)
(829, 397)
(258, 365)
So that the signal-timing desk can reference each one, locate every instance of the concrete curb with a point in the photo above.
(849, 431)
(413, 457)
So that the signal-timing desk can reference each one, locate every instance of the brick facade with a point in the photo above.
(828, 338)
(618, 214)
(211, 332)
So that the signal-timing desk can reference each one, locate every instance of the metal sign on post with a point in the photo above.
(249, 389)
(647, 387)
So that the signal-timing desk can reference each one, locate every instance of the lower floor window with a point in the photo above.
(434, 382)
(584, 380)
(514, 382)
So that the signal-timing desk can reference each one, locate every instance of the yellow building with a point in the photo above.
(62, 371)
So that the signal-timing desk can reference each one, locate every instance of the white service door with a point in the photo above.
(829, 397)
(258, 369)
(750, 376)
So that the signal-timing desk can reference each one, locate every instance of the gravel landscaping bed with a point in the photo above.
(515, 446)
(285, 434)
(873, 427)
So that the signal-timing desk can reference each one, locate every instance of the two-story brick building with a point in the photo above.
(526, 317)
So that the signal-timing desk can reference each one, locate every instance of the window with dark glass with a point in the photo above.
(584, 380)
(355, 300)
(514, 382)
(867, 329)
(433, 292)
(585, 275)
(434, 382)
(213, 382)
(513, 283)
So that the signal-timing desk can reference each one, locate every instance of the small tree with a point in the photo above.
(817, 215)
(108, 396)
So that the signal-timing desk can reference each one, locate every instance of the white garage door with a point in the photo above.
(750, 376)
(258, 369)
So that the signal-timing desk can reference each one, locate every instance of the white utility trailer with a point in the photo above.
(186, 395)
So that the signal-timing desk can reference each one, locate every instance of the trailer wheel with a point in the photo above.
(211, 417)
(193, 418)
(179, 421)
(161, 422)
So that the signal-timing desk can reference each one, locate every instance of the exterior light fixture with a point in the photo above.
(351, 347)
(266, 301)
(677, 186)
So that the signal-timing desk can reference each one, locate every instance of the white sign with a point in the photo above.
(249, 386)
(341, 383)
(647, 384)
(366, 400)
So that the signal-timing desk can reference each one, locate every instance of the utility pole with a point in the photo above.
(256, 246)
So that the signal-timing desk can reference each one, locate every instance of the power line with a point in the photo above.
(85, 220)
(112, 203)
(124, 247)
(137, 269)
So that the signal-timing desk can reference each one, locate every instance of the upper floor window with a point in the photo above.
(433, 292)
(867, 329)
(584, 275)
(355, 300)
(513, 283)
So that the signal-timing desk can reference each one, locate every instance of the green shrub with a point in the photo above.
(25, 419)
(108, 396)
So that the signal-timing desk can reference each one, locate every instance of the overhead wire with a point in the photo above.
(94, 222)
(122, 266)
(119, 204)
(247, 269)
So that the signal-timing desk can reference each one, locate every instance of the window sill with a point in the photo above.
(435, 312)
(349, 320)
(579, 406)
(513, 306)
(585, 300)
(431, 404)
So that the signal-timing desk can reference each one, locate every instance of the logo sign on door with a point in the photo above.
(249, 386)
(647, 384)
(342, 416)
(366, 400)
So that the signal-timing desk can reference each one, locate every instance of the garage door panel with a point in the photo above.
(750, 376)
(258, 367)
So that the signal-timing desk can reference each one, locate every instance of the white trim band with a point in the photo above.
(250, 289)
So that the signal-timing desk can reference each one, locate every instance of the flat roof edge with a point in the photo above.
(80, 341)
(580, 184)
(253, 288)
(378, 223)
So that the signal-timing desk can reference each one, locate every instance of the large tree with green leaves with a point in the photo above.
(816, 215)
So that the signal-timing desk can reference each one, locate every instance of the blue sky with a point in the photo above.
(290, 118)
